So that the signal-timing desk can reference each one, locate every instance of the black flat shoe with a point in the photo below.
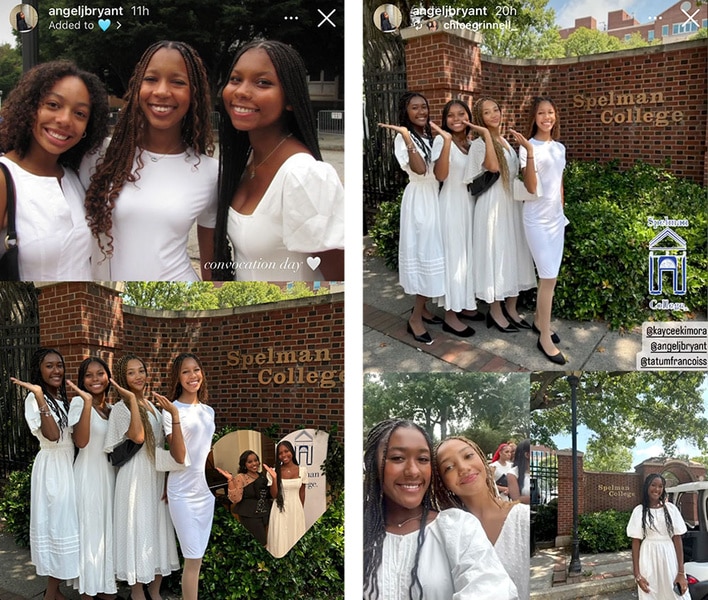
(520, 324)
(478, 316)
(554, 336)
(435, 320)
(508, 329)
(558, 359)
(423, 339)
(466, 332)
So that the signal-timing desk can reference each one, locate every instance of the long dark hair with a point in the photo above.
(647, 516)
(176, 386)
(375, 508)
(279, 498)
(235, 147)
(532, 128)
(521, 461)
(59, 405)
(404, 120)
(83, 367)
(446, 110)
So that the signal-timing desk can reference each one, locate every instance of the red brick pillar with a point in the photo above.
(565, 491)
(81, 319)
(443, 64)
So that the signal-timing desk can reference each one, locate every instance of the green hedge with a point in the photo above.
(604, 531)
(605, 270)
(15, 505)
(546, 521)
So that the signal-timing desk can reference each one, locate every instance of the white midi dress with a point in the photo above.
(95, 480)
(544, 219)
(54, 524)
(144, 539)
(503, 265)
(286, 527)
(657, 556)
(456, 221)
(190, 499)
(512, 547)
(421, 256)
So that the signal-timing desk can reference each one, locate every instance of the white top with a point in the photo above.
(500, 469)
(550, 163)
(52, 234)
(512, 547)
(153, 216)
(526, 490)
(301, 213)
(456, 562)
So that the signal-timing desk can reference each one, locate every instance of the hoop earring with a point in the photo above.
(83, 136)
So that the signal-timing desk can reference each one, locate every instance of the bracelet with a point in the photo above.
(45, 411)
(529, 158)
(682, 573)
(412, 149)
(175, 422)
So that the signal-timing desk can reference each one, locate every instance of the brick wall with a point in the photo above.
(87, 318)
(445, 65)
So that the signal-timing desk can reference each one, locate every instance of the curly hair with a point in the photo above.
(279, 500)
(532, 128)
(19, 111)
(176, 387)
(116, 167)
(120, 376)
(235, 147)
(498, 148)
(59, 405)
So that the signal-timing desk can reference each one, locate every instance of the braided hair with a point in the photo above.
(375, 453)
(404, 120)
(59, 405)
(647, 516)
(279, 500)
(235, 147)
(116, 167)
(121, 378)
(176, 387)
(498, 148)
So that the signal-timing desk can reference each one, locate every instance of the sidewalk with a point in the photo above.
(601, 574)
(589, 346)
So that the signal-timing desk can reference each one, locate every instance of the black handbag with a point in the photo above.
(9, 262)
(482, 182)
(123, 452)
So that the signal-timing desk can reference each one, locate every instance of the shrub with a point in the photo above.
(385, 231)
(15, 505)
(604, 531)
(546, 521)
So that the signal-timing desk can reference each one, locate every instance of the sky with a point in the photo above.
(645, 448)
(569, 10)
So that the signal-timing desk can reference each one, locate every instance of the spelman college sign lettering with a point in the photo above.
(627, 107)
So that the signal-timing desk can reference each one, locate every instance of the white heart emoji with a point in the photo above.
(313, 262)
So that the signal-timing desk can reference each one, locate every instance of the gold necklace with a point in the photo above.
(260, 164)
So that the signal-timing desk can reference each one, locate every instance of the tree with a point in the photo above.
(605, 457)
(10, 67)
(585, 41)
(619, 407)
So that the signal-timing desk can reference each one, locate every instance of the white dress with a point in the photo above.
(456, 562)
(54, 240)
(456, 220)
(190, 499)
(544, 220)
(287, 527)
(95, 485)
(503, 265)
(512, 547)
(54, 524)
(153, 216)
(526, 490)
(300, 214)
(500, 469)
(657, 556)
(144, 539)
(421, 257)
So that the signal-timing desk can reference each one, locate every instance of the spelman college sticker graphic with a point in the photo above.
(667, 263)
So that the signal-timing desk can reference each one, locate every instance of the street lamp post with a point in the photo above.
(575, 566)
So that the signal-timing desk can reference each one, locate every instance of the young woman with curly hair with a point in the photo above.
(279, 204)
(412, 551)
(156, 177)
(287, 482)
(468, 483)
(55, 115)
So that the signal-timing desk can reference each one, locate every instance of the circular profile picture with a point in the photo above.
(388, 18)
(23, 18)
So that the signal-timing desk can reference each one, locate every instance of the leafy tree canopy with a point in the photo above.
(585, 41)
(606, 458)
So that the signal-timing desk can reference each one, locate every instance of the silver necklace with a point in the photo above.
(170, 151)
(402, 523)
(280, 143)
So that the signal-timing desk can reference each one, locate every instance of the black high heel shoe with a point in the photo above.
(423, 339)
(508, 329)
(520, 324)
(478, 316)
(554, 336)
(558, 359)
(466, 332)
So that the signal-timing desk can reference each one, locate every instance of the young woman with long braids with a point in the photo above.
(157, 176)
(656, 527)
(144, 539)
(412, 551)
(54, 525)
(189, 429)
(287, 482)
(421, 257)
(280, 207)
(519, 476)
(468, 483)
(503, 266)
(95, 480)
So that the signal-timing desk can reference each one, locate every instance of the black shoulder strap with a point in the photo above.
(11, 239)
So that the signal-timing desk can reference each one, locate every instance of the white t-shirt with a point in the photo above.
(153, 216)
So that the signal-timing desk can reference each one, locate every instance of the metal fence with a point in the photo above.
(330, 121)
(544, 476)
